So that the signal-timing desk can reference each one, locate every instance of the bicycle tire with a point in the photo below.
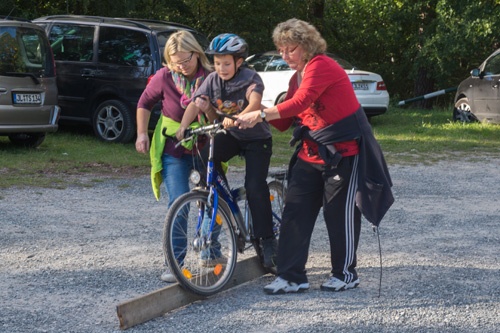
(276, 196)
(277, 193)
(184, 244)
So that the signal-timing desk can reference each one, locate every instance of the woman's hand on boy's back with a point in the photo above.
(202, 102)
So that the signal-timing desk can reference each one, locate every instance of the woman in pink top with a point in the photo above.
(173, 85)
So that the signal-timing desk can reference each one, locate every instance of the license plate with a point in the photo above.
(360, 86)
(27, 98)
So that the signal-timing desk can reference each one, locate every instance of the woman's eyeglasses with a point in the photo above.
(183, 62)
(288, 52)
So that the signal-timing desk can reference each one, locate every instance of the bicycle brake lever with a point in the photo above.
(183, 140)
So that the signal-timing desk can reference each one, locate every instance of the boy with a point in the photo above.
(233, 89)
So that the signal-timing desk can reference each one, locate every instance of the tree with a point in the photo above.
(416, 45)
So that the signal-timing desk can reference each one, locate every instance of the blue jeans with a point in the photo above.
(175, 175)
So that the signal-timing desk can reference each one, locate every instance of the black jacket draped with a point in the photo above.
(374, 195)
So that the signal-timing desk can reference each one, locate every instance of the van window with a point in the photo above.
(71, 42)
(124, 47)
(24, 50)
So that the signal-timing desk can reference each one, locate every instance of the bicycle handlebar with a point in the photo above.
(207, 129)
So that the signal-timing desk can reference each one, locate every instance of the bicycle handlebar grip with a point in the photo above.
(188, 132)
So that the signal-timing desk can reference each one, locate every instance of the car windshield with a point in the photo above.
(269, 62)
(343, 63)
(23, 52)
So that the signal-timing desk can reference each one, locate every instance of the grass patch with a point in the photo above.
(426, 136)
(68, 158)
(407, 136)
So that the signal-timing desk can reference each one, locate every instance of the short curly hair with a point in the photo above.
(295, 31)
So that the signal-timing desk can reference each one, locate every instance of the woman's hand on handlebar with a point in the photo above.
(249, 119)
(180, 133)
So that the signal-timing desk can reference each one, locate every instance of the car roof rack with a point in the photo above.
(13, 18)
(140, 23)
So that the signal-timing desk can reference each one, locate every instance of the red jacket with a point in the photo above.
(324, 97)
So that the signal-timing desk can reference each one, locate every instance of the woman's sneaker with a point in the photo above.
(282, 286)
(335, 284)
(167, 276)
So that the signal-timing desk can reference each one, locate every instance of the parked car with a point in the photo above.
(478, 97)
(275, 72)
(103, 66)
(28, 89)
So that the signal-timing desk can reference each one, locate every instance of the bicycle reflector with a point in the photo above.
(218, 269)
(187, 273)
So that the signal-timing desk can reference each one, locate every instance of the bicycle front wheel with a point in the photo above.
(201, 257)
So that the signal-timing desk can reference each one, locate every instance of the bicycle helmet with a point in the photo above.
(228, 44)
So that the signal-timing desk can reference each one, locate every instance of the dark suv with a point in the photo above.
(103, 65)
(28, 90)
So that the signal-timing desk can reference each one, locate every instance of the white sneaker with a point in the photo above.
(167, 276)
(282, 286)
(335, 284)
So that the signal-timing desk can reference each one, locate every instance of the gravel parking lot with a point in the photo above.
(69, 257)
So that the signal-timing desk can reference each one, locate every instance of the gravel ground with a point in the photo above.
(69, 257)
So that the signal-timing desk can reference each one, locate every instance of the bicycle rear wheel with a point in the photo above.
(202, 262)
(277, 197)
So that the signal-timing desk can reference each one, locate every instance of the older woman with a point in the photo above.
(173, 85)
(329, 169)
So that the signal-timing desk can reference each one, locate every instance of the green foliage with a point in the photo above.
(399, 38)
(416, 45)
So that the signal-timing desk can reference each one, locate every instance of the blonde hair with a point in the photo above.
(295, 31)
(184, 41)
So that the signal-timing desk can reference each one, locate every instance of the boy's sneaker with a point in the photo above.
(167, 276)
(213, 262)
(335, 284)
(269, 252)
(282, 286)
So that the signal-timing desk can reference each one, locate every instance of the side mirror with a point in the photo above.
(475, 72)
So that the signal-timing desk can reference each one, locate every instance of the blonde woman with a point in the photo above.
(185, 69)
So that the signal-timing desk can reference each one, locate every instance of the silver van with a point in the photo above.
(28, 87)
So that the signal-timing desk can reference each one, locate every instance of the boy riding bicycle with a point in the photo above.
(235, 89)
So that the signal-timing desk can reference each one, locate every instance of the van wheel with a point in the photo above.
(27, 140)
(113, 122)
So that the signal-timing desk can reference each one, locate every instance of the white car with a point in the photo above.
(275, 72)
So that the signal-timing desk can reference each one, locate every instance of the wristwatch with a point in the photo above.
(262, 115)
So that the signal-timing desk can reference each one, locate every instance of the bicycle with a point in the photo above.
(206, 227)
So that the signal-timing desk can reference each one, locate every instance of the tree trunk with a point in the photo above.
(424, 84)
(317, 14)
